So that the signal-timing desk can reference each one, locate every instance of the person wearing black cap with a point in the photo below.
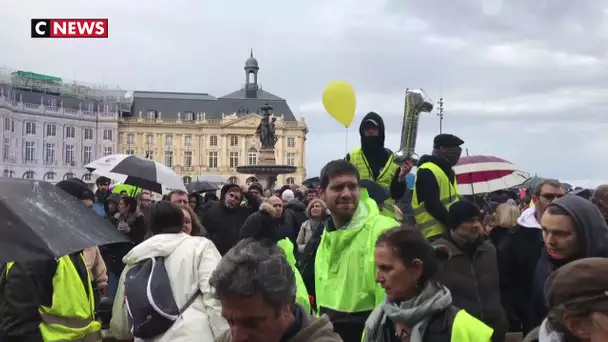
(436, 189)
(52, 299)
(224, 219)
(375, 162)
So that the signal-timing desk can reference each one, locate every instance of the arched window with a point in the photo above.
(8, 173)
(49, 176)
(87, 177)
(252, 156)
(29, 175)
(187, 180)
(251, 180)
(68, 175)
(233, 180)
(290, 180)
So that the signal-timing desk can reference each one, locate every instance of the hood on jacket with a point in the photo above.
(267, 208)
(527, 219)
(296, 205)
(225, 190)
(159, 245)
(589, 223)
(372, 144)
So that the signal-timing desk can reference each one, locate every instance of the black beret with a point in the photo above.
(447, 140)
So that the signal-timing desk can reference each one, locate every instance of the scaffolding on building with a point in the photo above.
(42, 83)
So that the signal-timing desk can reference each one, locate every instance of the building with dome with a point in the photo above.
(197, 133)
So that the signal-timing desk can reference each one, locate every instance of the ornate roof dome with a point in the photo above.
(251, 62)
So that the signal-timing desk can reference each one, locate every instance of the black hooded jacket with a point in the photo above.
(377, 155)
(223, 224)
(427, 188)
(592, 234)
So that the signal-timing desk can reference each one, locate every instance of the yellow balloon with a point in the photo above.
(340, 101)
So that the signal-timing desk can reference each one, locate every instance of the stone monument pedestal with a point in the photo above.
(266, 170)
(266, 156)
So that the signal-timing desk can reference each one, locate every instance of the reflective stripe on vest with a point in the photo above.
(71, 317)
(448, 195)
(357, 158)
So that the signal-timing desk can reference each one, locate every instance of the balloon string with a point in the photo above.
(345, 140)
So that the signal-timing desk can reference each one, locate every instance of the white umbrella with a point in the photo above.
(485, 174)
(140, 172)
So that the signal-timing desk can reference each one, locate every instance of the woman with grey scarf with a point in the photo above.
(416, 308)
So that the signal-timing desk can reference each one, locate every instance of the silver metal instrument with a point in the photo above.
(416, 102)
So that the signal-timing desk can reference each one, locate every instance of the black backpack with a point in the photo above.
(149, 300)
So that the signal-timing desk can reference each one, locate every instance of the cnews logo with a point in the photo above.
(69, 28)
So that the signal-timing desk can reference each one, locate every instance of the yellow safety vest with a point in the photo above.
(357, 158)
(467, 328)
(448, 194)
(72, 314)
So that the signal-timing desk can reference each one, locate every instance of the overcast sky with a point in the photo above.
(523, 80)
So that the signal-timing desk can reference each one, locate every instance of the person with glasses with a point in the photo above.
(519, 252)
(573, 228)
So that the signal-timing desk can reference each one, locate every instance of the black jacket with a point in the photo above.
(294, 216)
(427, 188)
(27, 287)
(224, 224)
(377, 156)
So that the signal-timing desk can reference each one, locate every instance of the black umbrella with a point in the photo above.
(41, 221)
(202, 186)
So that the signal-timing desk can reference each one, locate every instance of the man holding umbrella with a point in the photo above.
(53, 299)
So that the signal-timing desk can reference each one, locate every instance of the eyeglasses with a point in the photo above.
(551, 197)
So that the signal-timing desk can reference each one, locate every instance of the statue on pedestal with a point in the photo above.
(266, 129)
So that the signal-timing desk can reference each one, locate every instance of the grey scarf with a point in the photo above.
(414, 313)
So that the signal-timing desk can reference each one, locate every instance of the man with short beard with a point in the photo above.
(223, 219)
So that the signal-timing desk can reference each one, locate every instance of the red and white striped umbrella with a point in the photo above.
(483, 174)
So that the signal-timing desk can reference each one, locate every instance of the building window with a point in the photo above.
(6, 148)
(87, 177)
(188, 141)
(291, 159)
(188, 159)
(89, 107)
(150, 154)
(252, 156)
(70, 132)
(187, 180)
(234, 140)
(130, 151)
(49, 154)
(291, 142)
(8, 124)
(49, 176)
(234, 159)
(107, 134)
(69, 154)
(88, 133)
(30, 151)
(169, 158)
(290, 181)
(213, 160)
(169, 141)
(87, 154)
(30, 128)
(107, 108)
(52, 103)
(107, 150)
(149, 139)
(68, 175)
(51, 130)
(233, 180)
(8, 173)
(251, 180)
(213, 140)
(151, 114)
(130, 139)
(29, 175)
(189, 116)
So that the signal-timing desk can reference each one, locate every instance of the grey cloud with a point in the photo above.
(521, 79)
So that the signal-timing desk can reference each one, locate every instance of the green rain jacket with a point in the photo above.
(345, 273)
(301, 293)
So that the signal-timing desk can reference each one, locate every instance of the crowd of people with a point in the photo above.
(357, 257)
